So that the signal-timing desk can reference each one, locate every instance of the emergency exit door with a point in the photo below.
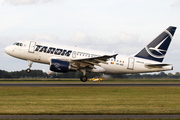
(131, 64)
(32, 47)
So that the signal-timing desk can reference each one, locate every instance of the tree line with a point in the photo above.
(77, 74)
(23, 74)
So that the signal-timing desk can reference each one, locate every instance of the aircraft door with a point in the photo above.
(131, 64)
(74, 54)
(32, 47)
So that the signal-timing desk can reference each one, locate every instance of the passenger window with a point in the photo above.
(17, 44)
(21, 44)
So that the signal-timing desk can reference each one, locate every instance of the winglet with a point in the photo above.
(156, 50)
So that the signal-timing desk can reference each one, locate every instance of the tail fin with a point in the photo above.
(156, 50)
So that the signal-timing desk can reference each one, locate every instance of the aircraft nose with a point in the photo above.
(7, 49)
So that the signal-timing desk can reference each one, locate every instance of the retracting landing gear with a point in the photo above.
(30, 65)
(28, 70)
(83, 78)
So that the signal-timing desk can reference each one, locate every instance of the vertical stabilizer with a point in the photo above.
(156, 50)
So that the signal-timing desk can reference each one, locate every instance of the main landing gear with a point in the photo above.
(30, 65)
(83, 78)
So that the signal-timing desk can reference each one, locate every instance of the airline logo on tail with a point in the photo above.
(157, 49)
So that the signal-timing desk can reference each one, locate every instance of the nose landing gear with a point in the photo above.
(30, 65)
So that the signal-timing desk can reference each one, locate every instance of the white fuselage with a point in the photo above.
(121, 64)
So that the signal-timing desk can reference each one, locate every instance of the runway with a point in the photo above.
(84, 85)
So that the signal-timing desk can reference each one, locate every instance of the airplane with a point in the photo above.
(65, 58)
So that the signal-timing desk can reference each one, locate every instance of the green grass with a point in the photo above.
(89, 100)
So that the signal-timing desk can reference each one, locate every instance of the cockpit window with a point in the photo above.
(18, 44)
(15, 43)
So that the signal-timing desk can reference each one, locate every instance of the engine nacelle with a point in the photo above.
(59, 66)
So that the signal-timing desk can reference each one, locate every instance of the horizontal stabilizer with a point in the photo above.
(162, 66)
(157, 65)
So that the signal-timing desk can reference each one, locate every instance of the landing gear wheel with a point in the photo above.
(28, 70)
(83, 78)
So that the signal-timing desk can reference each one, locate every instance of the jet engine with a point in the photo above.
(59, 66)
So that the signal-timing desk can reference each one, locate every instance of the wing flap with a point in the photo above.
(95, 60)
(90, 62)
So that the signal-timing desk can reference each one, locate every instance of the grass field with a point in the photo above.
(89, 100)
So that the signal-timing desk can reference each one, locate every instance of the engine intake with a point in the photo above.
(59, 66)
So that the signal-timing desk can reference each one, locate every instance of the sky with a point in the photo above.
(122, 26)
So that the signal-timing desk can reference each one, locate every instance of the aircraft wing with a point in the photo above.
(90, 62)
